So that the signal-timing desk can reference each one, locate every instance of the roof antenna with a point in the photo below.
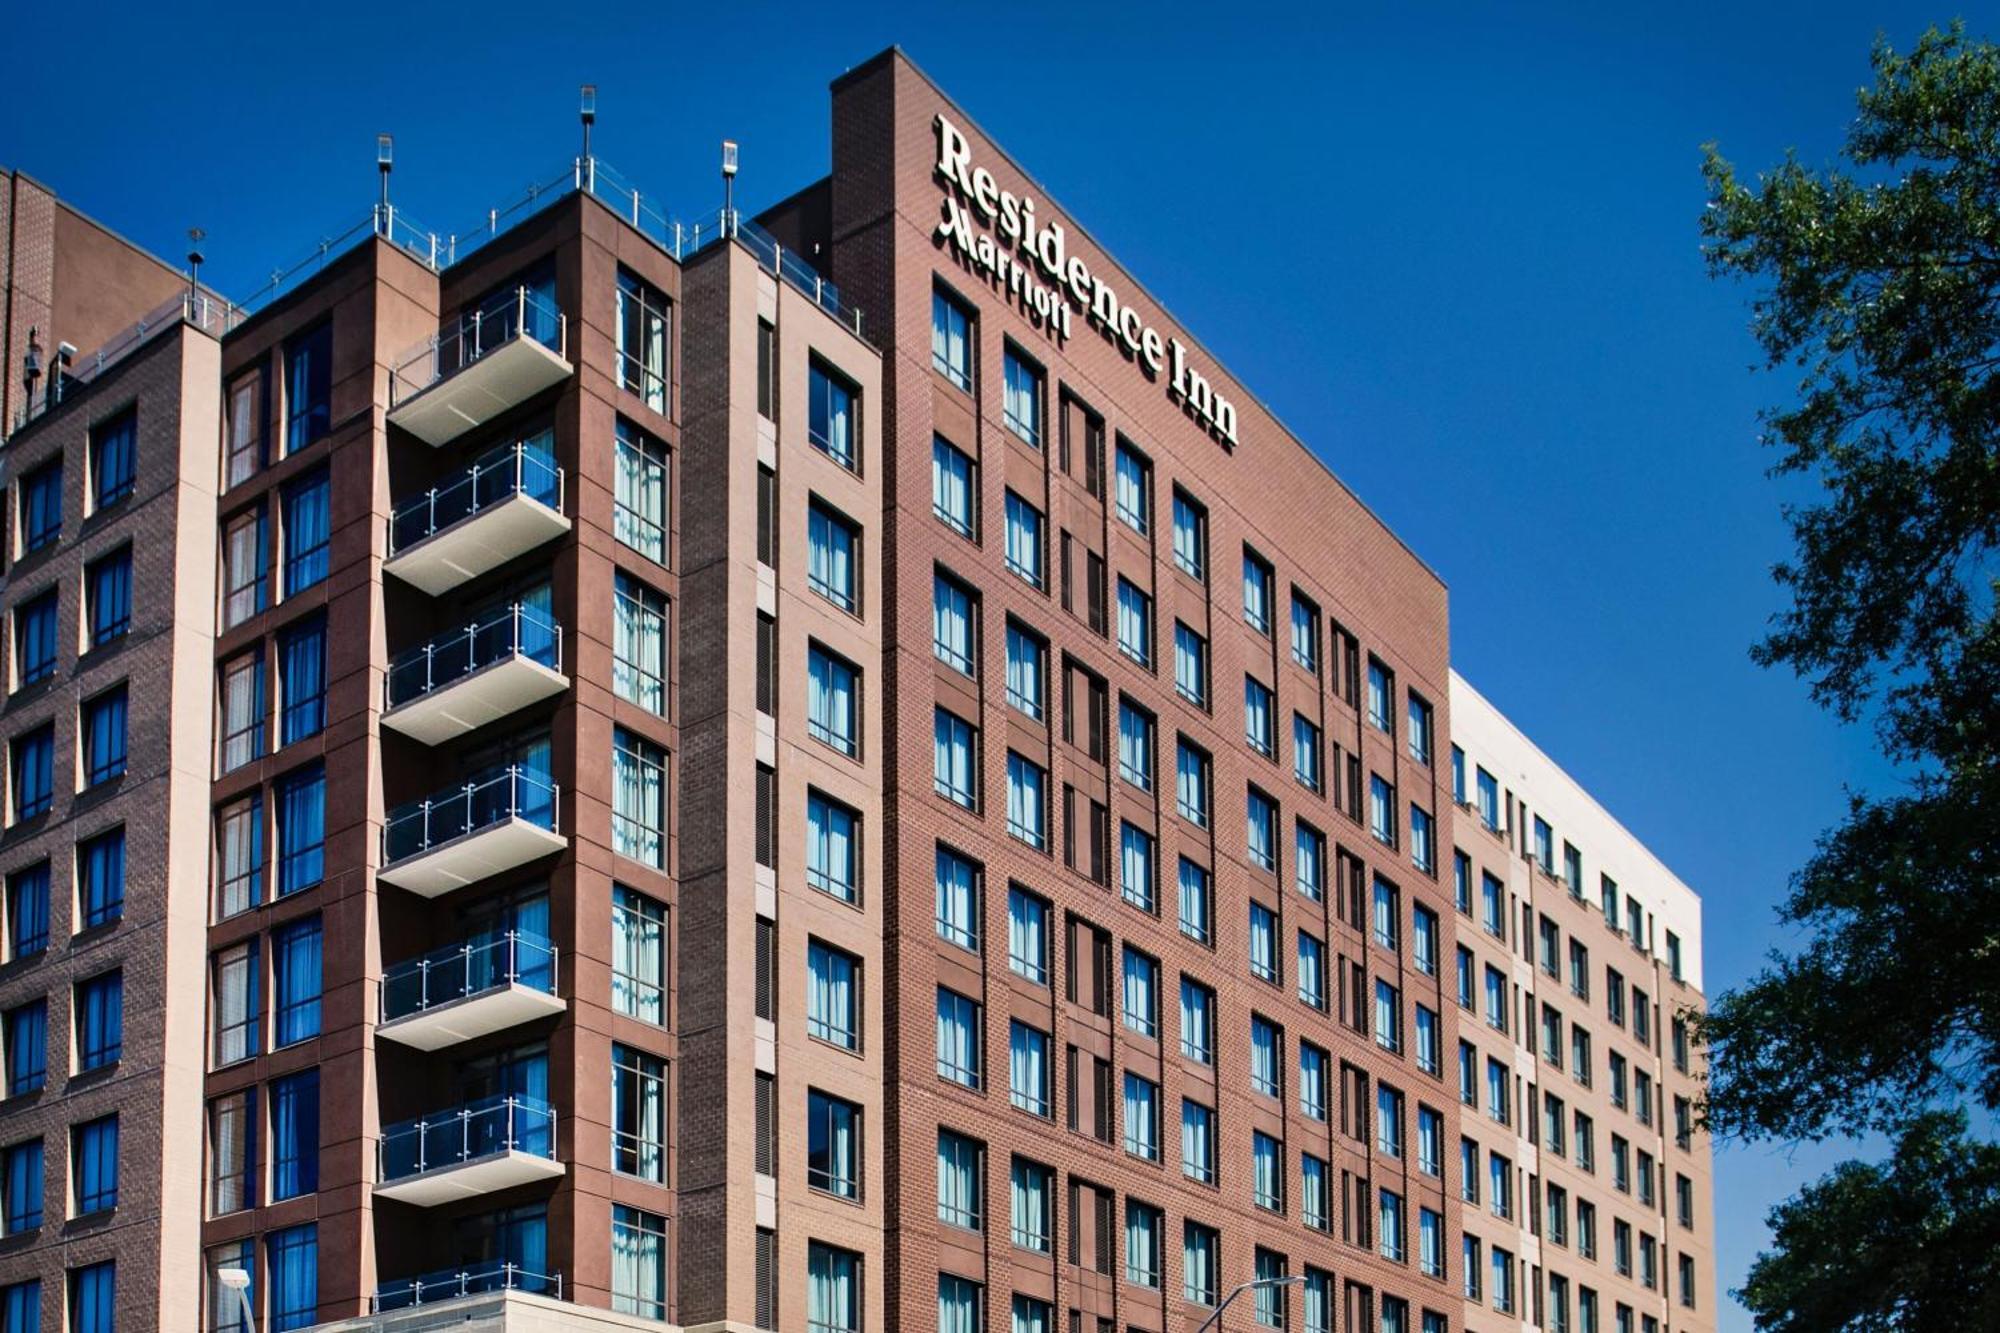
(195, 238)
(729, 186)
(587, 110)
(385, 162)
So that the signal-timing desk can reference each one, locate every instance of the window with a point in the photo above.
(954, 612)
(1135, 623)
(1312, 971)
(1142, 1117)
(94, 1165)
(307, 531)
(1489, 800)
(1191, 784)
(1389, 1229)
(302, 680)
(639, 492)
(295, 1135)
(833, 687)
(1028, 1068)
(93, 1298)
(1263, 943)
(1420, 739)
(1142, 993)
(638, 1113)
(1492, 896)
(1305, 752)
(1201, 1263)
(1197, 902)
(104, 737)
(833, 1145)
(41, 506)
(831, 847)
(308, 387)
(1133, 502)
(21, 1181)
(833, 1289)
(35, 640)
(831, 424)
(1197, 1141)
(1423, 839)
(27, 1047)
(1381, 810)
(246, 431)
(1135, 745)
(1027, 671)
(956, 765)
(1190, 665)
(292, 1257)
(1024, 540)
(244, 555)
(1197, 1022)
(1027, 935)
(959, 1305)
(1381, 697)
(34, 759)
(235, 1003)
(301, 798)
(642, 346)
(1257, 728)
(638, 955)
(1305, 632)
(958, 1038)
(1031, 1185)
(1135, 866)
(1027, 800)
(100, 1021)
(107, 591)
(1267, 1174)
(957, 900)
(951, 340)
(1190, 537)
(1258, 592)
(638, 800)
(952, 493)
(100, 892)
(242, 710)
(1032, 1316)
(1430, 1055)
(639, 644)
(833, 996)
(28, 911)
(1023, 400)
(1266, 1056)
(295, 976)
(1309, 860)
(1388, 1017)
(1144, 1225)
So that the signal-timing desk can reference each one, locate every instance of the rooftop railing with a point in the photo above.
(451, 1283)
(203, 310)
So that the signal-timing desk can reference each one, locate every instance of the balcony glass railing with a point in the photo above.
(523, 468)
(485, 1128)
(491, 798)
(515, 631)
(520, 313)
(451, 1283)
(459, 971)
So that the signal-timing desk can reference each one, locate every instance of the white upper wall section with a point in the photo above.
(1491, 742)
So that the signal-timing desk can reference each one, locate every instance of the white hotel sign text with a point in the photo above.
(1013, 218)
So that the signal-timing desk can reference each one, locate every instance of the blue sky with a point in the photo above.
(1454, 247)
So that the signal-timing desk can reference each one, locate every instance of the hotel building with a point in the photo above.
(832, 772)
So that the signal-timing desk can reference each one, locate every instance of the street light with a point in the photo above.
(1215, 1320)
(238, 1281)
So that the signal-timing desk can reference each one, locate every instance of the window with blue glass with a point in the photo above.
(93, 1294)
(292, 1257)
(830, 424)
(301, 829)
(41, 506)
(35, 640)
(33, 762)
(113, 449)
(308, 387)
(104, 737)
(27, 1047)
(21, 1307)
(107, 592)
(28, 911)
(295, 967)
(308, 530)
(295, 1135)
(21, 1178)
(100, 879)
(100, 1021)
(302, 683)
(94, 1165)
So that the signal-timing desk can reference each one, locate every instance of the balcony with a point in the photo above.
(452, 1283)
(501, 819)
(469, 990)
(492, 1144)
(504, 505)
(476, 675)
(495, 358)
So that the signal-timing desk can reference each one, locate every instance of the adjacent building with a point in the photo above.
(833, 772)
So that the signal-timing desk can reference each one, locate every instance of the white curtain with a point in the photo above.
(1028, 1069)
(233, 981)
(1025, 942)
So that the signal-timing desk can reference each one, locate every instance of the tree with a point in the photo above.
(1879, 286)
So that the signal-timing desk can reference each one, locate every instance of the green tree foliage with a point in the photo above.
(1879, 288)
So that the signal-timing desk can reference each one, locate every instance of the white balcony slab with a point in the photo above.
(471, 857)
(489, 1011)
(474, 700)
(469, 1180)
(485, 540)
(475, 394)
